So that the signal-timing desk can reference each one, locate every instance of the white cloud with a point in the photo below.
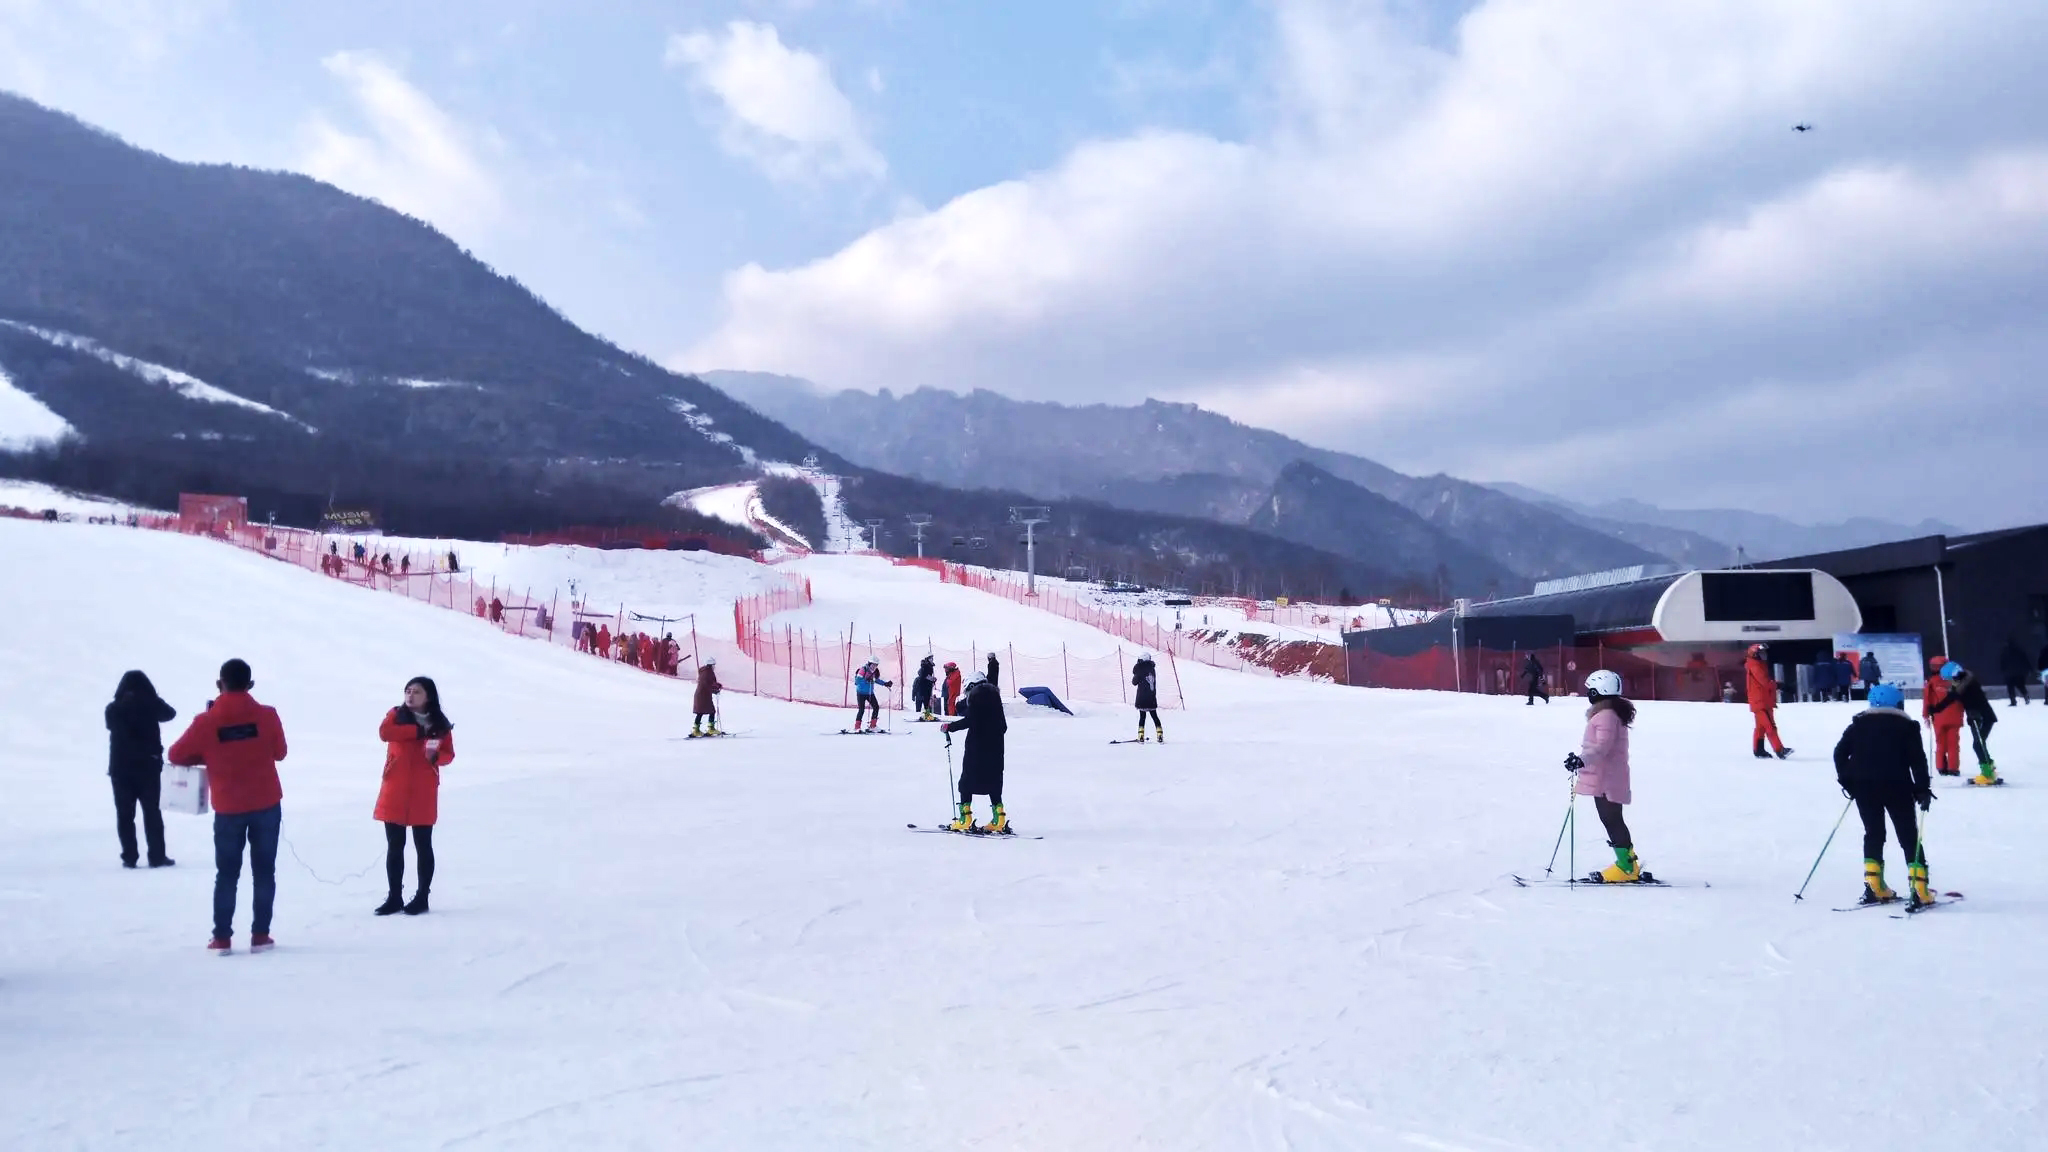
(412, 155)
(41, 41)
(1577, 222)
(778, 106)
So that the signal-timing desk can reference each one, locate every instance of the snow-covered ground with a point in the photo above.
(41, 497)
(25, 422)
(1291, 927)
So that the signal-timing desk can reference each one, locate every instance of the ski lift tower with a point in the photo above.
(918, 523)
(1030, 516)
(874, 535)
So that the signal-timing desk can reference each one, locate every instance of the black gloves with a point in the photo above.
(1572, 763)
(1924, 799)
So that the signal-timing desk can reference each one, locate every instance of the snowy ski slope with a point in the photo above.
(1291, 927)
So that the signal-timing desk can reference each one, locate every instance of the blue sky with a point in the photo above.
(1572, 243)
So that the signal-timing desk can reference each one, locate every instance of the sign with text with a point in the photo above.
(1899, 659)
(348, 520)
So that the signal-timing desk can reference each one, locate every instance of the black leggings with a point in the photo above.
(1900, 806)
(1154, 714)
(1610, 819)
(394, 855)
(861, 704)
(1980, 743)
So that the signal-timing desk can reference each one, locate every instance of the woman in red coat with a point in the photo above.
(418, 741)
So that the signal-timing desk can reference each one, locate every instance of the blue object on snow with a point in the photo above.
(1044, 698)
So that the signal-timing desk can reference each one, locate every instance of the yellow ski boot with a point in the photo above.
(1162, 733)
(1874, 891)
(966, 821)
(1987, 775)
(1921, 897)
(1000, 825)
(1626, 869)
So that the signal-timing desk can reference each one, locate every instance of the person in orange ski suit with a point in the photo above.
(1947, 723)
(1763, 703)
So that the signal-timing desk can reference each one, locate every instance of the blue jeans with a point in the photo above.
(259, 830)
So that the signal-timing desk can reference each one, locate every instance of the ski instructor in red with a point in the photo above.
(240, 742)
(1763, 702)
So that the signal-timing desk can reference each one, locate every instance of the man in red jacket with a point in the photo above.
(1763, 703)
(240, 742)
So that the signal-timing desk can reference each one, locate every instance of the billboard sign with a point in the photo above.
(348, 520)
(1899, 657)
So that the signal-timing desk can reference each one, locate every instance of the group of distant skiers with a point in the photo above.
(239, 742)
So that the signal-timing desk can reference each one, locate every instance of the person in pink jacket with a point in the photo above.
(1601, 768)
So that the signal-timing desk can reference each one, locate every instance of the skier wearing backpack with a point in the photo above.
(1880, 764)
(864, 702)
(921, 689)
(1600, 770)
(981, 766)
(1145, 678)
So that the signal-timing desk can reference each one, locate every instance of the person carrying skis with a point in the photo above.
(1881, 765)
(1763, 702)
(981, 766)
(921, 689)
(1532, 679)
(952, 689)
(1600, 770)
(240, 742)
(705, 707)
(864, 702)
(1145, 678)
(418, 742)
(1946, 720)
(1966, 695)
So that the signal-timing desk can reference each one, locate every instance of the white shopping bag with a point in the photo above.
(185, 791)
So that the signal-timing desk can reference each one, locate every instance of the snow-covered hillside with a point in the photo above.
(1290, 927)
(25, 422)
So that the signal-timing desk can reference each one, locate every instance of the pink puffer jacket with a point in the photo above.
(1605, 751)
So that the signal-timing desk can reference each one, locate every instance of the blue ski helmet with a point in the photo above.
(1887, 696)
(1951, 670)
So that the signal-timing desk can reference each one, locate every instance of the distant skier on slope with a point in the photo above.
(981, 766)
(1601, 771)
(1763, 703)
(703, 705)
(2012, 664)
(1145, 678)
(1533, 679)
(995, 672)
(864, 703)
(1967, 694)
(921, 689)
(952, 689)
(1947, 721)
(1881, 765)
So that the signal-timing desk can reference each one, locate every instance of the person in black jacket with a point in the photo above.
(921, 688)
(981, 767)
(995, 673)
(1967, 693)
(135, 763)
(1532, 679)
(2012, 664)
(1145, 679)
(1882, 766)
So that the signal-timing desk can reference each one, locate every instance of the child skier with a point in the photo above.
(864, 703)
(981, 767)
(705, 707)
(1601, 769)
(921, 689)
(1763, 703)
(952, 689)
(1881, 765)
(1967, 696)
(1145, 678)
(1946, 720)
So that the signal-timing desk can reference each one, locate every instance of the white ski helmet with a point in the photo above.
(1144, 656)
(711, 661)
(1603, 683)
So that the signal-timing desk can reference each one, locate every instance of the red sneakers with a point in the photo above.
(220, 944)
(261, 943)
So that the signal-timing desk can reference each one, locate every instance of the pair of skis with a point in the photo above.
(978, 834)
(1909, 909)
(1592, 880)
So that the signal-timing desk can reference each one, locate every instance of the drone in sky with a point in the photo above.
(1802, 127)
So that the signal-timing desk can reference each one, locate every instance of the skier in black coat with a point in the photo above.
(1145, 679)
(1532, 679)
(981, 766)
(995, 672)
(921, 688)
(1967, 693)
(1882, 766)
(2012, 664)
(135, 764)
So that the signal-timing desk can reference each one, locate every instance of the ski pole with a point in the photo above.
(1801, 894)
(952, 793)
(1562, 825)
